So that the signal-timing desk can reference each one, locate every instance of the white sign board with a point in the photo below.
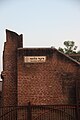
(34, 59)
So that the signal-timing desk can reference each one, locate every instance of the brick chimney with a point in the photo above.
(9, 73)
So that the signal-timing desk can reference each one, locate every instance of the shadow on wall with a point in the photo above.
(0, 86)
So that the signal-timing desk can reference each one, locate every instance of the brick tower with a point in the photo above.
(9, 74)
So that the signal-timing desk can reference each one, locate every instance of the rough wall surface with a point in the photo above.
(51, 82)
(47, 83)
(9, 74)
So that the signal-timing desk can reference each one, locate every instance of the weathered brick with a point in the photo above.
(50, 82)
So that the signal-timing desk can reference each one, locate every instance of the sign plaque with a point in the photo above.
(34, 59)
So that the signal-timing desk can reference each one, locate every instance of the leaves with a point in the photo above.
(69, 47)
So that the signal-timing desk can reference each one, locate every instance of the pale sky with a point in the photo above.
(43, 23)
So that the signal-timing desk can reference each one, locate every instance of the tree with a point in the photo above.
(69, 47)
(78, 52)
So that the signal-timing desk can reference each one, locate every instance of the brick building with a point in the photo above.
(41, 76)
(0, 92)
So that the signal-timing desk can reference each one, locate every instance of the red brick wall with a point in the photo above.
(9, 74)
(52, 82)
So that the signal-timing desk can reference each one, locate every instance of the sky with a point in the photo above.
(43, 23)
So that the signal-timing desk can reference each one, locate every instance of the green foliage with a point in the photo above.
(69, 47)
(61, 49)
(78, 52)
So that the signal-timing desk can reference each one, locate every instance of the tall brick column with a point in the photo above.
(9, 74)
